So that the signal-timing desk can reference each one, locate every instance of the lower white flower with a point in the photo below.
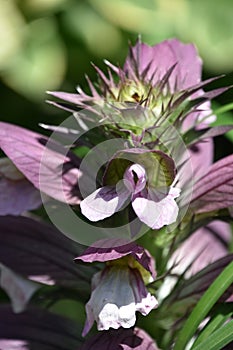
(118, 292)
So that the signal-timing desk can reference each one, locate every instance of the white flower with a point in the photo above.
(118, 292)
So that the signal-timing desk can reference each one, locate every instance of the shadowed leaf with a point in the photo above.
(135, 339)
(40, 252)
(198, 284)
(37, 330)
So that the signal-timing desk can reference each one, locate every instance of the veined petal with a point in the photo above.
(116, 248)
(145, 302)
(213, 191)
(155, 211)
(157, 60)
(104, 202)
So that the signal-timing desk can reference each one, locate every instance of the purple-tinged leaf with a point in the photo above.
(127, 339)
(106, 82)
(112, 249)
(41, 253)
(19, 289)
(192, 91)
(214, 190)
(200, 116)
(38, 330)
(202, 248)
(214, 93)
(194, 136)
(52, 168)
(67, 107)
(92, 88)
(200, 282)
(69, 97)
(17, 194)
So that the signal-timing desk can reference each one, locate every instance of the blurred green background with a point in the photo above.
(48, 45)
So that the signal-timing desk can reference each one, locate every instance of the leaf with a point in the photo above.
(202, 308)
(218, 339)
(214, 190)
(194, 258)
(196, 285)
(18, 288)
(222, 313)
(47, 164)
(224, 117)
(38, 330)
(192, 136)
(41, 253)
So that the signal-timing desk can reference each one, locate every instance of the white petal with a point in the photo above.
(104, 202)
(147, 304)
(157, 214)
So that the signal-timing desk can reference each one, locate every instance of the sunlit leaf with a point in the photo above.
(202, 308)
(221, 315)
(218, 339)
(215, 189)
(48, 165)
